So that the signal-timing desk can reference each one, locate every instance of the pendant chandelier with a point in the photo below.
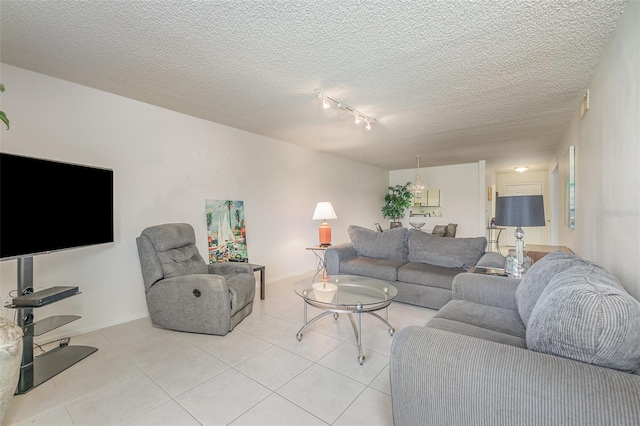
(418, 185)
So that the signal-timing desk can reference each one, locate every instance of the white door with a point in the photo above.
(532, 234)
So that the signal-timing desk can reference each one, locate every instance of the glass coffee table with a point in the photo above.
(346, 294)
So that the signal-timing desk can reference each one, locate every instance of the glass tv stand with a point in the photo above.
(35, 370)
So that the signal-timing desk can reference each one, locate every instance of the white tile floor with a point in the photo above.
(259, 374)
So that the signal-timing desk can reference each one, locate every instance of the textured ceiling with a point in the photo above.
(454, 81)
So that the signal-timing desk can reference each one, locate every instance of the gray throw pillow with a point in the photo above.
(390, 244)
(538, 276)
(584, 314)
(443, 251)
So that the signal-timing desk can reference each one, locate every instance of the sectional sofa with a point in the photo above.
(559, 347)
(420, 265)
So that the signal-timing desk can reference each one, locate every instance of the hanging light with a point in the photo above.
(368, 125)
(357, 119)
(418, 185)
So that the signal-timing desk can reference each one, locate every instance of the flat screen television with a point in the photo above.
(47, 206)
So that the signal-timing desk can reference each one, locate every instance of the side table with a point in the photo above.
(494, 238)
(261, 269)
(318, 251)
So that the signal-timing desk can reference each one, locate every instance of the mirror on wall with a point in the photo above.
(426, 203)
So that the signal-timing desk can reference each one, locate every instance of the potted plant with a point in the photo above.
(398, 200)
(3, 116)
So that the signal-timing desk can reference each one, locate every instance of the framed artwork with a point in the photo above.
(570, 187)
(226, 232)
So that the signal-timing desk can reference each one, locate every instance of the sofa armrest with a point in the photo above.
(490, 290)
(444, 378)
(336, 254)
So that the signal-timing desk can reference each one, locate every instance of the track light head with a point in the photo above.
(326, 103)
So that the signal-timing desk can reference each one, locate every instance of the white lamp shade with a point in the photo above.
(324, 211)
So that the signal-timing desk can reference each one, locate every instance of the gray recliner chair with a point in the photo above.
(183, 292)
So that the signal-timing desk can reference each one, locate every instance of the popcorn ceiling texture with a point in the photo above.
(455, 81)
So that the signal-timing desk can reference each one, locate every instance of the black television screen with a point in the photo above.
(48, 205)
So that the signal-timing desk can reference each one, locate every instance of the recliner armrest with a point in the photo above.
(336, 254)
(230, 268)
(489, 290)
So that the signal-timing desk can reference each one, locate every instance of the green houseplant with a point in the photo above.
(3, 116)
(397, 201)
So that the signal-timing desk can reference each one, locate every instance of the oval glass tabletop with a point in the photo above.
(346, 291)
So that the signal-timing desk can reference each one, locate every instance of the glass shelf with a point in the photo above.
(51, 323)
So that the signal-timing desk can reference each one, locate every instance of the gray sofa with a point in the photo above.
(559, 347)
(420, 265)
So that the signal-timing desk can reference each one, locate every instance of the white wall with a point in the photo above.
(607, 142)
(165, 165)
(460, 186)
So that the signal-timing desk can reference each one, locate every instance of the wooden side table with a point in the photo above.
(537, 252)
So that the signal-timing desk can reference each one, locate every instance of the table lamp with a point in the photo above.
(324, 211)
(519, 211)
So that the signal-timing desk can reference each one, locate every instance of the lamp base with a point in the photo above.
(519, 233)
(324, 234)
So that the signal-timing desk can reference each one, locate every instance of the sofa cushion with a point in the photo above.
(383, 269)
(584, 314)
(538, 276)
(492, 260)
(484, 322)
(390, 244)
(445, 251)
(425, 274)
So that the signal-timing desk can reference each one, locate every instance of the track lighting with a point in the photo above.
(358, 116)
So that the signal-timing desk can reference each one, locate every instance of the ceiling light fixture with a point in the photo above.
(326, 103)
(418, 185)
(521, 169)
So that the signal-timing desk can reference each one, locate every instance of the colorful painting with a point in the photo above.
(226, 234)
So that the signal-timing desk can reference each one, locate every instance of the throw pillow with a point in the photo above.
(390, 244)
(584, 314)
(442, 251)
(538, 276)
